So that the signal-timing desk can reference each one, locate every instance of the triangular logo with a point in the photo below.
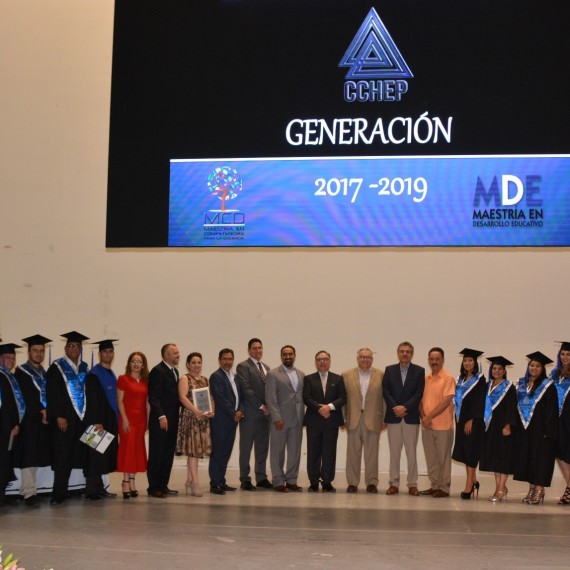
(373, 53)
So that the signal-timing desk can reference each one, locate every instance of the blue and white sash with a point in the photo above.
(19, 397)
(38, 379)
(562, 387)
(462, 389)
(494, 398)
(75, 384)
(526, 402)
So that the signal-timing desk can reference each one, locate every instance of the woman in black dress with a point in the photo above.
(469, 412)
(500, 421)
(561, 378)
(536, 440)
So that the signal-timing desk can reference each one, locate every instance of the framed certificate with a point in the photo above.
(202, 401)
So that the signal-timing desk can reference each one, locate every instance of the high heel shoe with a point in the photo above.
(188, 487)
(529, 494)
(126, 494)
(565, 499)
(195, 490)
(537, 496)
(134, 492)
(466, 495)
(499, 496)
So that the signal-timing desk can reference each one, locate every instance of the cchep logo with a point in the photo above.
(516, 202)
(377, 70)
(224, 183)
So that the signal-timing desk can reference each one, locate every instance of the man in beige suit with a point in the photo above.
(364, 417)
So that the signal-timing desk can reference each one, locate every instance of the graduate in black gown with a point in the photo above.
(102, 412)
(561, 378)
(536, 440)
(469, 412)
(65, 394)
(32, 445)
(501, 419)
(9, 420)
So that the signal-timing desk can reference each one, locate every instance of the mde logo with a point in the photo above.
(224, 183)
(377, 70)
(515, 202)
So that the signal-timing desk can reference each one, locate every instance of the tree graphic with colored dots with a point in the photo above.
(225, 183)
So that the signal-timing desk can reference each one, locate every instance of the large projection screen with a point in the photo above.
(304, 123)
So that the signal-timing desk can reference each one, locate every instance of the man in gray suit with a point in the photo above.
(254, 427)
(284, 397)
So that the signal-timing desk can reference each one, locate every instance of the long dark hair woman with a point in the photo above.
(469, 401)
(561, 378)
(537, 403)
(501, 419)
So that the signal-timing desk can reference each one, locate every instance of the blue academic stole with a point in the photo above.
(38, 379)
(75, 384)
(494, 398)
(526, 402)
(17, 392)
(562, 387)
(462, 389)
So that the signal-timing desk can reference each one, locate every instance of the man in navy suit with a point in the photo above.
(403, 390)
(162, 421)
(229, 410)
(324, 395)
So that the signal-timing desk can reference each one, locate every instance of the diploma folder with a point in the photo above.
(97, 440)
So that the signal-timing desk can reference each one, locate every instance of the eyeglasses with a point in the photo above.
(73, 345)
(136, 361)
(322, 359)
(365, 357)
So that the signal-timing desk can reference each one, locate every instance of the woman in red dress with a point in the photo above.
(132, 394)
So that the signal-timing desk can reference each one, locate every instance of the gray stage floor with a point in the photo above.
(265, 529)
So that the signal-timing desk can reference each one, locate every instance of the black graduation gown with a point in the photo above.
(535, 448)
(8, 420)
(99, 411)
(68, 451)
(497, 453)
(467, 449)
(32, 444)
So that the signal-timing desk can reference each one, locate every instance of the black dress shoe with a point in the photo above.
(372, 489)
(264, 484)
(217, 489)
(12, 500)
(106, 495)
(57, 500)
(293, 487)
(168, 491)
(313, 488)
(228, 488)
(32, 501)
(352, 489)
(280, 489)
(328, 488)
(94, 497)
(247, 486)
(157, 494)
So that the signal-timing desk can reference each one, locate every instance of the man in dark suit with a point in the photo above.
(403, 389)
(229, 410)
(324, 395)
(254, 427)
(163, 421)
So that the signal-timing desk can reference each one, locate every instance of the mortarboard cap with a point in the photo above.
(9, 348)
(74, 336)
(471, 353)
(565, 344)
(105, 344)
(501, 360)
(539, 357)
(36, 339)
